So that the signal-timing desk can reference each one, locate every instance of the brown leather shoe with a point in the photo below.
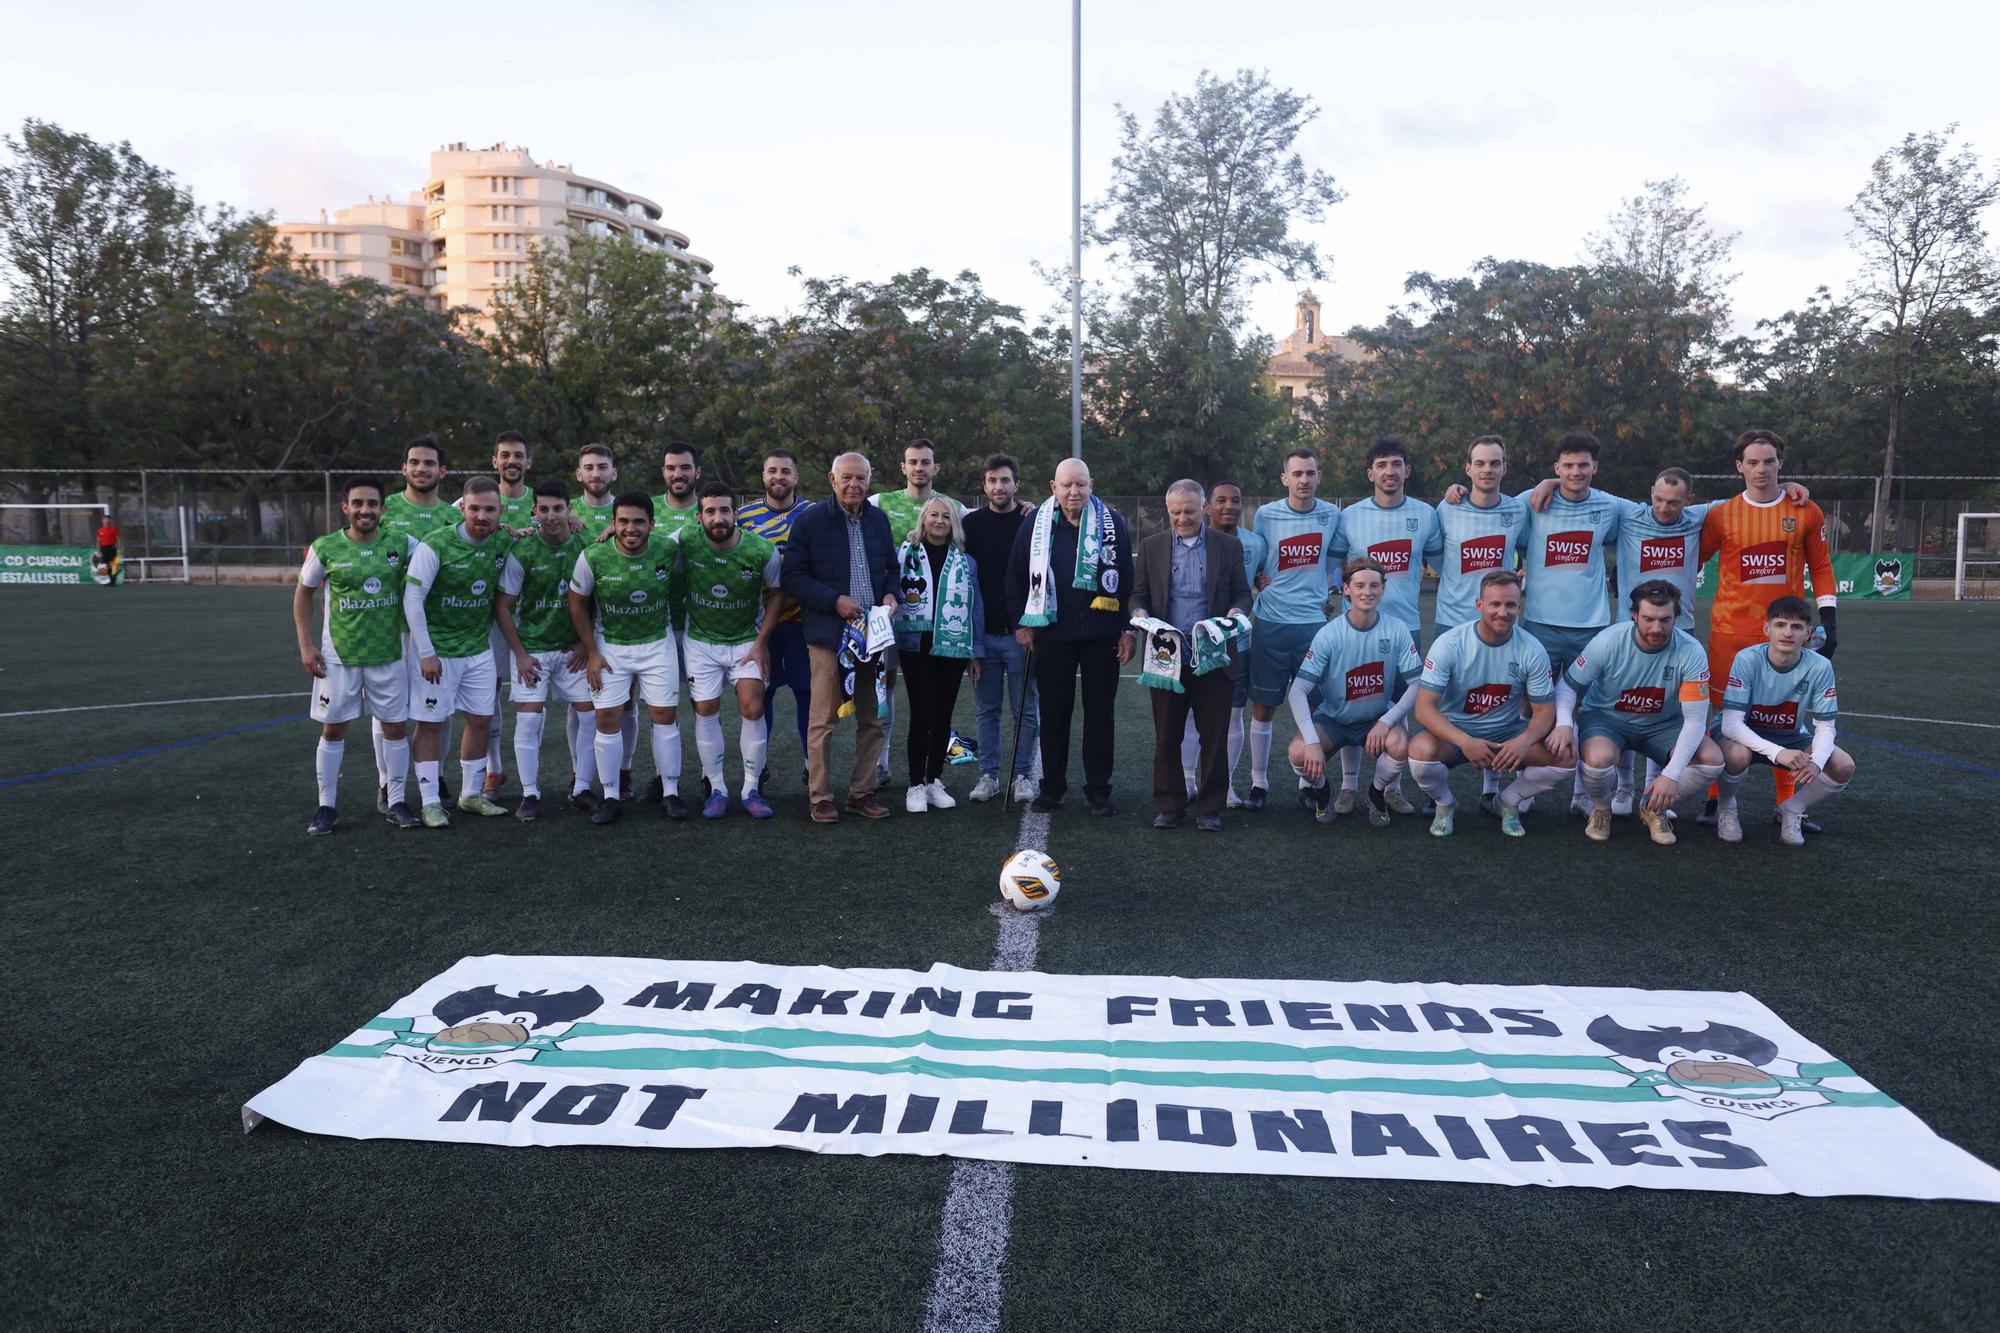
(868, 807)
(824, 813)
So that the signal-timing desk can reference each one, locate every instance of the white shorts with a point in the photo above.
(654, 667)
(339, 697)
(709, 665)
(465, 687)
(568, 686)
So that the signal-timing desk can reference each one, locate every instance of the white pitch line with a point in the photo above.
(1934, 721)
(979, 1205)
(157, 703)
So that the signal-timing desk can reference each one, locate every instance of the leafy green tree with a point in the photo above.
(1658, 233)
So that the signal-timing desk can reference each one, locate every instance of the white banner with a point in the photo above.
(1511, 1085)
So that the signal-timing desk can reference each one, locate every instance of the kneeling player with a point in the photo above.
(547, 658)
(1359, 662)
(1470, 700)
(360, 644)
(1774, 690)
(1643, 688)
(731, 577)
(619, 606)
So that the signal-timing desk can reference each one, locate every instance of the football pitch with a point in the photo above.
(176, 944)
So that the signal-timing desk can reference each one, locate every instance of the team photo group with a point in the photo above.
(1562, 647)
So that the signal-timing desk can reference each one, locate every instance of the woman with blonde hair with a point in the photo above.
(938, 620)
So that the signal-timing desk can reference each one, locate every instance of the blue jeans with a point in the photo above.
(1005, 664)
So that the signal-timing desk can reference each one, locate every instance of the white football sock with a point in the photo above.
(398, 754)
(1260, 754)
(1305, 781)
(628, 739)
(1350, 768)
(708, 748)
(1190, 745)
(1626, 761)
(1235, 740)
(1726, 784)
(753, 737)
(496, 750)
(667, 755)
(1489, 781)
(1803, 797)
(472, 772)
(427, 780)
(1599, 783)
(609, 745)
(1388, 771)
(1694, 778)
(381, 751)
(1434, 778)
(582, 750)
(327, 761)
(1533, 781)
(528, 751)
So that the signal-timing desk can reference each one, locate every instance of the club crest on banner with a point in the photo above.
(1720, 1067)
(480, 1028)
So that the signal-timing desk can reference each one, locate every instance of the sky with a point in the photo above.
(863, 139)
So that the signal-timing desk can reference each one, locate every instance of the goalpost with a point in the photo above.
(137, 568)
(1983, 559)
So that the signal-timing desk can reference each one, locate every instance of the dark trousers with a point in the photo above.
(1208, 698)
(791, 669)
(1057, 666)
(933, 685)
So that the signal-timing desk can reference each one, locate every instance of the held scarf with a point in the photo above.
(1212, 638)
(945, 611)
(1096, 561)
(857, 647)
(1159, 654)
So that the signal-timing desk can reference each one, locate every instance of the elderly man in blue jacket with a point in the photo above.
(840, 561)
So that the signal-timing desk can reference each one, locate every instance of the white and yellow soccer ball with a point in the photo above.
(1029, 881)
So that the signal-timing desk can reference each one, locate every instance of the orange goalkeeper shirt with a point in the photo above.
(1766, 553)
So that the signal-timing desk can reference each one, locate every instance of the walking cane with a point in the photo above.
(1020, 713)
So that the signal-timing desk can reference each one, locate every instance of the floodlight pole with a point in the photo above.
(1076, 230)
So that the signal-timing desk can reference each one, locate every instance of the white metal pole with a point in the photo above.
(1958, 573)
(1076, 231)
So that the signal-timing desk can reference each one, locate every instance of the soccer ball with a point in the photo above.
(1029, 881)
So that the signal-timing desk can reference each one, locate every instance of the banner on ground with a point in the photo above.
(1513, 1085)
(46, 564)
(1880, 575)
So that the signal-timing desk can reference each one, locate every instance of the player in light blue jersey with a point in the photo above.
(1293, 601)
(1365, 667)
(1775, 690)
(1485, 698)
(1400, 534)
(1225, 514)
(1638, 688)
(1482, 530)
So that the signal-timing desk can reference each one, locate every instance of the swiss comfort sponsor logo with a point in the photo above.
(1476, 554)
(1775, 717)
(1482, 699)
(1299, 551)
(1646, 700)
(1365, 681)
(1568, 548)
(1657, 553)
(1394, 557)
(1762, 563)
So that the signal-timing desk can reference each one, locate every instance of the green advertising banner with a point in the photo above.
(46, 564)
(1884, 575)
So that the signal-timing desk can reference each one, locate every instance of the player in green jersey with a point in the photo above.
(448, 592)
(901, 508)
(408, 517)
(532, 612)
(733, 601)
(619, 606)
(357, 655)
(512, 459)
(596, 472)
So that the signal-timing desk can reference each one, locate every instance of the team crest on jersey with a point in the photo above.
(393, 557)
(1384, 644)
(483, 1027)
(1719, 1067)
(1789, 524)
(1411, 522)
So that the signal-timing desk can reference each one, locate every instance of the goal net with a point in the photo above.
(1976, 565)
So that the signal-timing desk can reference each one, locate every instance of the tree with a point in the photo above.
(1918, 225)
(1202, 207)
(1658, 234)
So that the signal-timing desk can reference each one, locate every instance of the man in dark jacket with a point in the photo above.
(1085, 633)
(839, 562)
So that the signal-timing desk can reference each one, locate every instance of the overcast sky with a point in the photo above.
(865, 138)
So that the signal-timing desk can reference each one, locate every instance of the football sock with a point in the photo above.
(1693, 778)
(1626, 760)
(381, 752)
(708, 748)
(1533, 781)
(1388, 771)
(1726, 784)
(667, 755)
(610, 746)
(582, 751)
(754, 736)
(1350, 768)
(1235, 740)
(472, 772)
(628, 738)
(1305, 781)
(328, 763)
(1260, 754)
(1803, 797)
(528, 751)
(1784, 782)
(427, 780)
(1434, 778)
(1598, 782)
(398, 753)
(1489, 782)
(1190, 745)
(495, 747)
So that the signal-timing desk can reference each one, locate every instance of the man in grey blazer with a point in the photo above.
(1188, 573)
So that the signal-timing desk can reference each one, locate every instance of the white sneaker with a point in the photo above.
(1621, 803)
(1658, 827)
(1599, 827)
(987, 788)
(940, 799)
(1789, 831)
(918, 799)
(1728, 824)
(1025, 788)
(1343, 804)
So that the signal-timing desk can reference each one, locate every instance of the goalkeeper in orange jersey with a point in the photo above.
(1767, 545)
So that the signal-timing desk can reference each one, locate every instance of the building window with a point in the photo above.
(441, 277)
(409, 277)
